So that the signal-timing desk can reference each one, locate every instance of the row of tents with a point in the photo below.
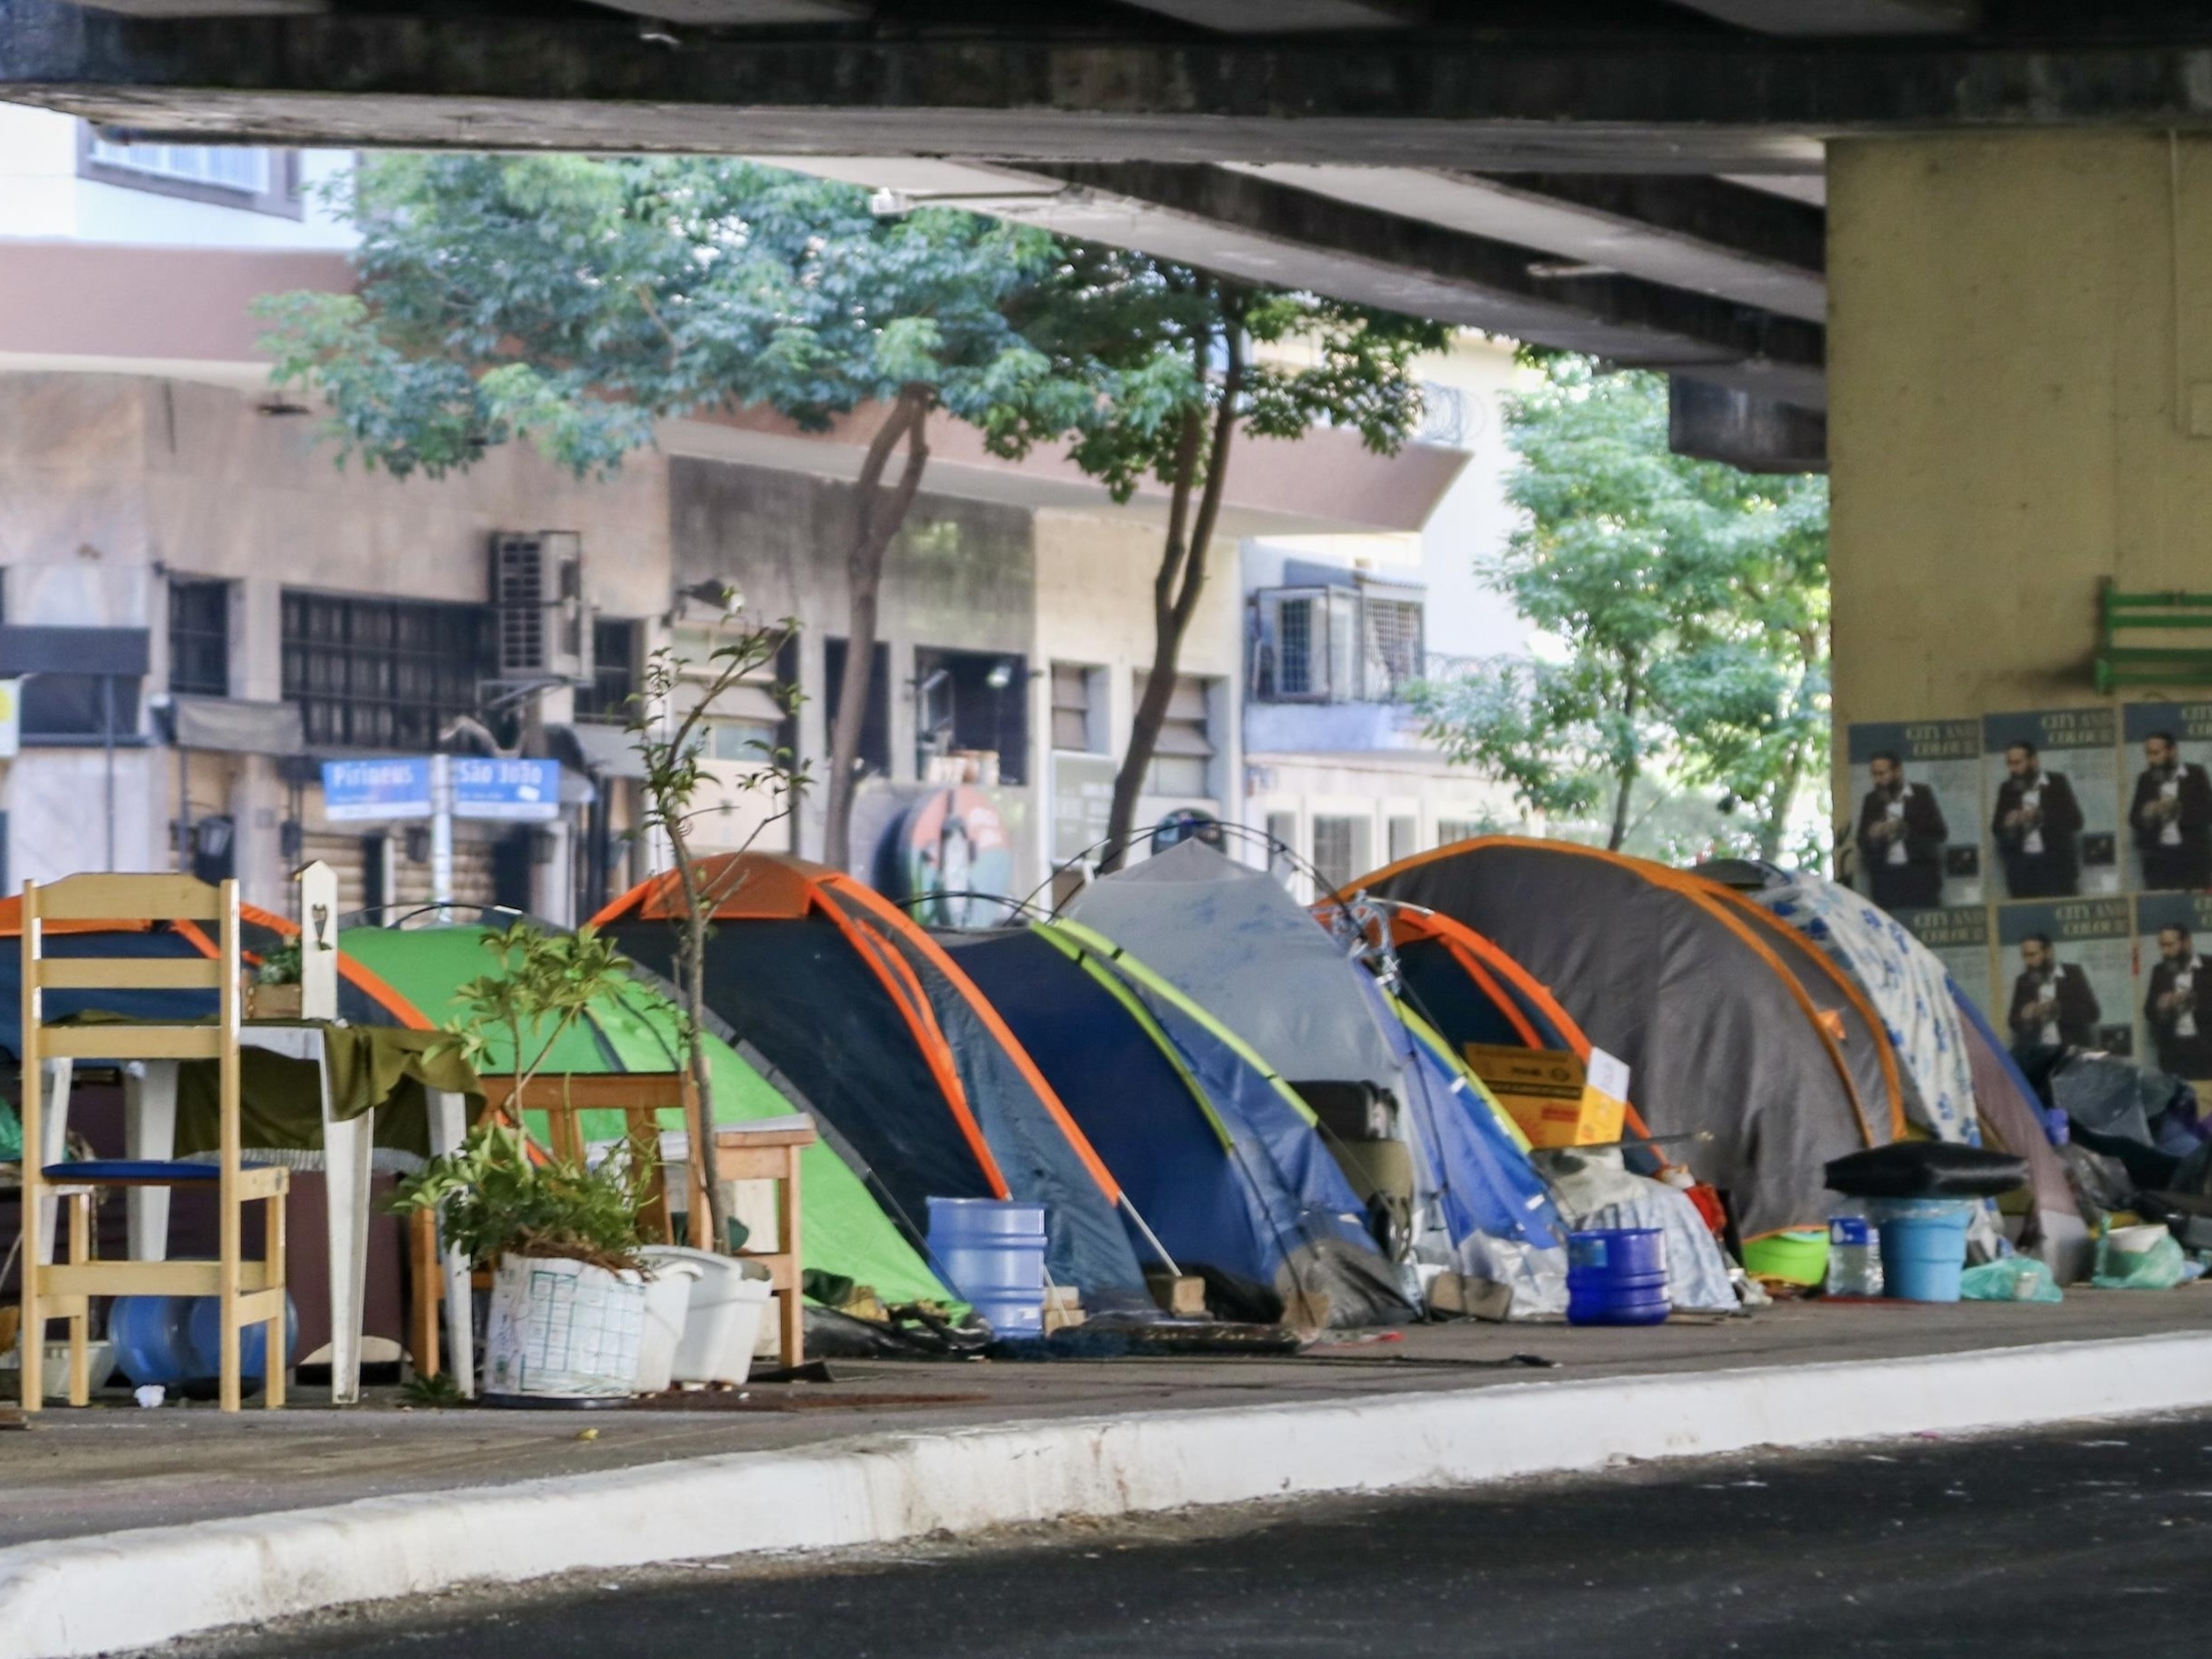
(1196, 1074)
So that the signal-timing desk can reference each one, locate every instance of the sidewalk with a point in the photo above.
(311, 1507)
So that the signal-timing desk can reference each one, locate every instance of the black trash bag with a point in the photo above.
(1926, 1169)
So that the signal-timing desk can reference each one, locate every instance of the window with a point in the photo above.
(1295, 652)
(1449, 830)
(1404, 835)
(248, 177)
(744, 743)
(1340, 851)
(199, 639)
(1077, 720)
(77, 708)
(1182, 762)
(974, 701)
(382, 673)
(605, 701)
(1390, 645)
(875, 724)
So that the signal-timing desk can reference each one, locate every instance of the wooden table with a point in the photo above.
(772, 1154)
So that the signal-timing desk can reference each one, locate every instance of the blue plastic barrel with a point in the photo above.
(1617, 1275)
(178, 1339)
(992, 1254)
(206, 1329)
(1924, 1247)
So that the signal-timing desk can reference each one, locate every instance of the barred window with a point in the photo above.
(199, 639)
(382, 673)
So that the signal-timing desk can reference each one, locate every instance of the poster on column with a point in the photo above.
(1959, 937)
(1916, 827)
(2053, 779)
(2169, 772)
(2066, 970)
(2175, 983)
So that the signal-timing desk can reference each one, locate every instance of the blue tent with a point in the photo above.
(1217, 1154)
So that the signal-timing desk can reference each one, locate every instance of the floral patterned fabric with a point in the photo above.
(1905, 984)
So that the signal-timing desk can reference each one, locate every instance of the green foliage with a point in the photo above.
(281, 966)
(572, 301)
(442, 1390)
(1683, 614)
(499, 1197)
(545, 984)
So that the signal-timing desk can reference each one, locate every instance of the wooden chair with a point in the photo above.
(251, 1293)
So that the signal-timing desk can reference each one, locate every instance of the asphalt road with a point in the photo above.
(2095, 1541)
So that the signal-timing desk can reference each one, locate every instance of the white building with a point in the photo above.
(1338, 771)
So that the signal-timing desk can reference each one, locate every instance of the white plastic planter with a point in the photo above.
(723, 1322)
(668, 1308)
(562, 1330)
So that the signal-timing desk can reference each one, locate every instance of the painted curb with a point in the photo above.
(133, 1589)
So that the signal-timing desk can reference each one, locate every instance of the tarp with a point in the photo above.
(1233, 940)
(843, 1230)
(1733, 1025)
(2009, 1111)
(892, 1045)
(1220, 1156)
(1901, 977)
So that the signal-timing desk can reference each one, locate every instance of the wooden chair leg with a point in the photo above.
(231, 1249)
(80, 1322)
(425, 1283)
(277, 1343)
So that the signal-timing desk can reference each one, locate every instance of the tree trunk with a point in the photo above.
(880, 513)
(1631, 768)
(1177, 589)
(1776, 826)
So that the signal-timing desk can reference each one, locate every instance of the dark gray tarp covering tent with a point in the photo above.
(1731, 1025)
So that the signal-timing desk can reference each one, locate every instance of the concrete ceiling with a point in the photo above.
(1642, 179)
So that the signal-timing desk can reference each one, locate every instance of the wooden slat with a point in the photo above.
(783, 1272)
(146, 1278)
(270, 1181)
(591, 1091)
(130, 898)
(258, 1305)
(130, 1042)
(128, 972)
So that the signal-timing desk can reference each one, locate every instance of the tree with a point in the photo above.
(1684, 610)
(667, 727)
(574, 302)
(1154, 368)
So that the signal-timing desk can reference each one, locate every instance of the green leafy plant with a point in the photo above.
(281, 966)
(545, 984)
(497, 1196)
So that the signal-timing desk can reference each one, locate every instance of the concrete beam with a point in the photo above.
(209, 8)
(740, 13)
(1677, 102)
(1285, 16)
(1697, 234)
(1247, 226)
(1753, 434)
(1842, 16)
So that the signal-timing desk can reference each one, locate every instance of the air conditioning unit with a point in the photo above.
(541, 619)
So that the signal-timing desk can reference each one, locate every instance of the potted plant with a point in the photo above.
(559, 1237)
(273, 992)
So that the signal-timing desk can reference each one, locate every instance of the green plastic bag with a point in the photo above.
(2161, 1267)
(11, 1135)
(2016, 1278)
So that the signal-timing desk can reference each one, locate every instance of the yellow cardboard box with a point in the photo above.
(1549, 1094)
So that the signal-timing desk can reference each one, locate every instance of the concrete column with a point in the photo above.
(2020, 359)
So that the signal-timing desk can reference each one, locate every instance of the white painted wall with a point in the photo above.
(42, 198)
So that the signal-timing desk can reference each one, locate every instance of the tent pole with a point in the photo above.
(1151, 1238)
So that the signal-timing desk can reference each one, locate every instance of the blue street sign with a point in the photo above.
(516, 791)
(377, 791)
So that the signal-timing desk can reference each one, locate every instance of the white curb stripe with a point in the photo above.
(123, 1589)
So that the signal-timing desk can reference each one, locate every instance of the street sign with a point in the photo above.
(510, 791)
(376, 791)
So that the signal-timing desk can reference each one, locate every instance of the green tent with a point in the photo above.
(845, 1231)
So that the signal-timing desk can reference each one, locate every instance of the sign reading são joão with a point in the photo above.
(386, 790)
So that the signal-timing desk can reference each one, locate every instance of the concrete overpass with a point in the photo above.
(1641, 179)
(1958, 251)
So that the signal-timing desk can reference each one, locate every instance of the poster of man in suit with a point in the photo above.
(2054, 793)
(2069, 973)
(1914, 835)
(2173, 950)
(2169, 809)
(1959, 937)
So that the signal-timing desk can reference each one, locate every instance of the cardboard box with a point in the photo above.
(1551, 1095)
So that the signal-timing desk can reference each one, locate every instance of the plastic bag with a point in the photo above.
(2016, 1278)
(2160, 1265)
(11, 1135)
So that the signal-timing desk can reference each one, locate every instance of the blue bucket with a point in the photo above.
(1617, 1275)
(992, 1252)
(1924, 1247)
(178, 1339)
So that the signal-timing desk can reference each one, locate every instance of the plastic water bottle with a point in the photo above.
(1855, 1257)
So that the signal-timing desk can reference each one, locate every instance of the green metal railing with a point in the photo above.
(2161, 665)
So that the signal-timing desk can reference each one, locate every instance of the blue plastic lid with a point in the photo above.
(1850, 1230)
